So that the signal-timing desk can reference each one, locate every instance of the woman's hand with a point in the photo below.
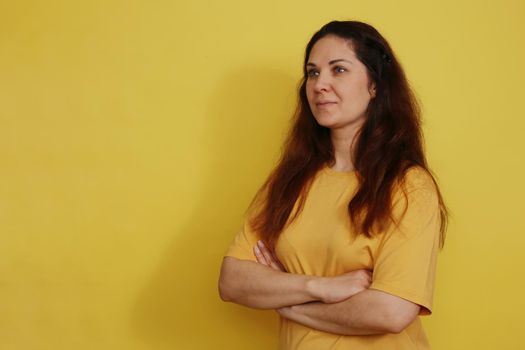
(327, 289)
(265, 257)
(339, 288)
(285, 312)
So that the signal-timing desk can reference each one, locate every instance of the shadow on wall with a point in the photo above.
(180, 308)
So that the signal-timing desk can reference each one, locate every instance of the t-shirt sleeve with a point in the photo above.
(242, 245)
(405, 261)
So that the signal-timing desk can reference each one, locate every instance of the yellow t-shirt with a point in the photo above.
(320, 242)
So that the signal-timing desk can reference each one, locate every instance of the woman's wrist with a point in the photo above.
(314, 288)
(338, 288)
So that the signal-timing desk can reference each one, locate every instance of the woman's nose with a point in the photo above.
(322, 83)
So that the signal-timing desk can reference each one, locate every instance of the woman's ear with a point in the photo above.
(372, 90)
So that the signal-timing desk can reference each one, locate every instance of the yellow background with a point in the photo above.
(134, 133)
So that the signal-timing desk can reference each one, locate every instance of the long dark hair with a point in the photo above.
(389, 143)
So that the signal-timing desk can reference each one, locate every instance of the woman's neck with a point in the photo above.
(343, 143)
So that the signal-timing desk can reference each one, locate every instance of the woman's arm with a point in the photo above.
(368, 312)
(255, 285)
(365, 313)
(266, 285)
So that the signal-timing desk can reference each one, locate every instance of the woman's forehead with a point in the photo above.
(332, 43)
(331, 48)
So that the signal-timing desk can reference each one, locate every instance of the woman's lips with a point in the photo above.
(325, 104)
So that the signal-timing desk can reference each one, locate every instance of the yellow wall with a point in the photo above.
(134, 133)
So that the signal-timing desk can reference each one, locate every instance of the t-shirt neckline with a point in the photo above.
(330, 170)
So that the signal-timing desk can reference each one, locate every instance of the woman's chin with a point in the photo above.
(326, 120)
(334, 122)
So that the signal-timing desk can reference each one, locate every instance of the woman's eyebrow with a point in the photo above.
(331, 62)
(340, 60)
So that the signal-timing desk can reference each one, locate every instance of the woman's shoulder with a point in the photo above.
(417, 189)
(416, 184)
(418, 178)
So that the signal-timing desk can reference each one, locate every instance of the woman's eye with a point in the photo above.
(312, 73)
(339, 69)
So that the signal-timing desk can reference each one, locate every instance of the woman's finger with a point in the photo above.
(268, 256)
(259, 256)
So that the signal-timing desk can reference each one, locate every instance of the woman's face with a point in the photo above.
(337, 85)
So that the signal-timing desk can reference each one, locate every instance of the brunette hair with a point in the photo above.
(389, 143)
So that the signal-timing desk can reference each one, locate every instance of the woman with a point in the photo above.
(343, 237)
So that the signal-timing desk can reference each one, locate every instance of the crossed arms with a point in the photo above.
(342, 304)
